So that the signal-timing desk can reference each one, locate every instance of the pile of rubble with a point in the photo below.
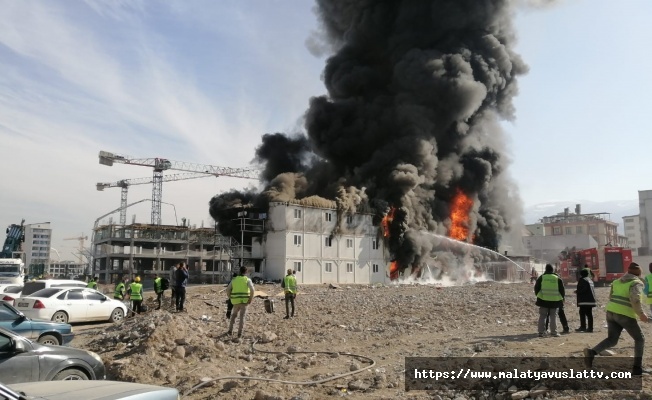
(382, 324)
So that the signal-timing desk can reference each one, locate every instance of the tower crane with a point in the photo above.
(162, 164)
(125, 183)
(81, 239)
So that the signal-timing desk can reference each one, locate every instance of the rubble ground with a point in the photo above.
(379, 324)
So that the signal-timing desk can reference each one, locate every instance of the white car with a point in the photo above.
(88, 390)
(71, 305)
(11, 293)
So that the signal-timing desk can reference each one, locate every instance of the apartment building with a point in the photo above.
(38, 238)
(632, 230)
(322, 246)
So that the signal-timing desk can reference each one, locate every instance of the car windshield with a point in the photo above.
(49, 292)
(13, 289)
(9, 269)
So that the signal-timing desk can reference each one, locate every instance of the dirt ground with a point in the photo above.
(381, 323)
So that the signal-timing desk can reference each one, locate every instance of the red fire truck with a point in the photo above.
(606, 263)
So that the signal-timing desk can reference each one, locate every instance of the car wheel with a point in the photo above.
(71, 374)
(61, 317)
(49, 340)
(117, 315)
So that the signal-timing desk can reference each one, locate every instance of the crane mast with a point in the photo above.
(124, 184)
(162, 164)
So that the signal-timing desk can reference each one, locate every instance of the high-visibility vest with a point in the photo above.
(136, 291)
(619, 302)
(92, 285)
(290, 283)
(239, 290)
(648, 279)
(549, 288)
(119, 291)
(157, 285)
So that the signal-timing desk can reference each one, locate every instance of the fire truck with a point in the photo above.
(606, 263)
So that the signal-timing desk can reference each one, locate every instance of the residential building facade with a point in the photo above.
(66, 269)
(323, 247)
(645, 219)
(632, 230)
(38, 238)
(596, 225)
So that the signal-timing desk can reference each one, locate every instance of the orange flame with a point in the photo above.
(393, 271)
(387, 220)
(460, 207)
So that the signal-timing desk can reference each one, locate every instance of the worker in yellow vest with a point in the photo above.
(622, 311)
(550, 293)
(120, 289)
(241, 293)
(93, 283)
(648, 285)
(290, 286)
(136, 295)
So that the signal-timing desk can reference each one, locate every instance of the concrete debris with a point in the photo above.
(520, 395)
(389, 323)
(267, 337)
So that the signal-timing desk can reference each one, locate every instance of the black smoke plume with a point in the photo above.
(416, 89)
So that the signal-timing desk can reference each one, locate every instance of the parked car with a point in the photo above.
(11, 293)
(44, 332)
(33, 286)
(71, 305)
(88, 390)
(14, 292)
(22, 360)
(4, 286)
(11, 288)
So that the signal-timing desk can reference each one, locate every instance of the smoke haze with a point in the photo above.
(416, 90)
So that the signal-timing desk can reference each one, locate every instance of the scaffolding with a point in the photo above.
(146, 250)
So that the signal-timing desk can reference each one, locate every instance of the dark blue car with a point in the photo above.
(43, 332)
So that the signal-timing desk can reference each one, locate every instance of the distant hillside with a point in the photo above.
(617, 208)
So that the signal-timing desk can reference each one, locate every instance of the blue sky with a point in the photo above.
(200, 81)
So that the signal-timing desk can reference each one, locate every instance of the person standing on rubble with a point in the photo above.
(158, 289)
(229, 305)
(585, 301)
(648, 285)
(290, 286)
(120, 289)
(550, 293)
(561, 313)
(622, 311)
(181, 277)
(136, 296)
(173, 284)
(241, 292)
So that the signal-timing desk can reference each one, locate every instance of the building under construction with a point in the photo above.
(145, 250)
(148, 249)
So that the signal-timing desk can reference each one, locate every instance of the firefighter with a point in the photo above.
(93, 283)
(136, 296)
(120, 289)
(622, 311)
(550, 293)
(290, 286)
